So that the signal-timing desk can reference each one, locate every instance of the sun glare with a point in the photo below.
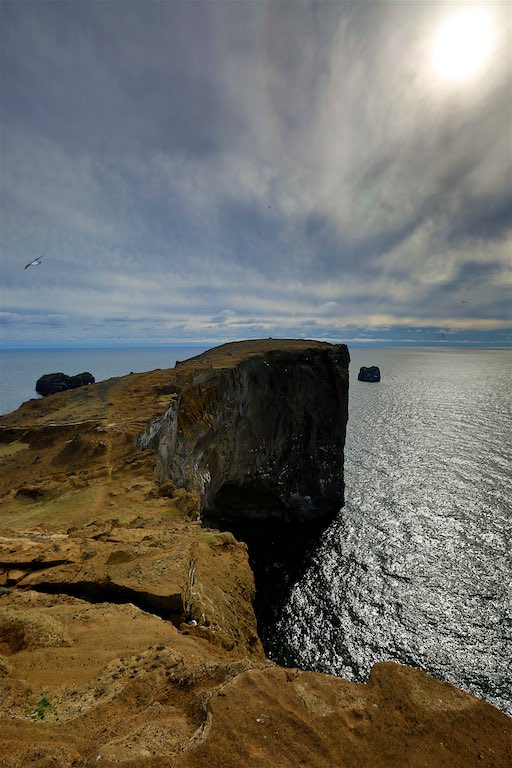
(463, 44)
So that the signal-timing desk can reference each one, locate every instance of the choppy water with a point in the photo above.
(416, 567)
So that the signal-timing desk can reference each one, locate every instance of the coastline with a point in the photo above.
(124, 683)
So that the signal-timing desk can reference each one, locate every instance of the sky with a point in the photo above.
(201, 172)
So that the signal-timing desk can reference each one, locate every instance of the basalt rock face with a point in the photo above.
(51, 383)
(262, 437)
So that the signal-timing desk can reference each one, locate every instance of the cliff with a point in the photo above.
(251, 428)
(127, 634)
(259, 430)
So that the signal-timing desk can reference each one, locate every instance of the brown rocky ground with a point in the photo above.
(127, 635)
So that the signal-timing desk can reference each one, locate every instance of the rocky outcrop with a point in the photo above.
(51, 383)
(112, 685)
(172, 571)
(370, 374)
(401, 717)
(87, 682)
(259, 431)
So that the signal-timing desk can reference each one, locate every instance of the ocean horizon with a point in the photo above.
(22, 366)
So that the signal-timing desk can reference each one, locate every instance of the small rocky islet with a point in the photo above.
(370, 374)
(51, 383)
(127, 630)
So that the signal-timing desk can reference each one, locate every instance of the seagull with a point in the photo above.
(35, 262)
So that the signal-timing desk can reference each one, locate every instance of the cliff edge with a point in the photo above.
(127, 633)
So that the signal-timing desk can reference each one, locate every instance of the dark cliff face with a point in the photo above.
(262, 436)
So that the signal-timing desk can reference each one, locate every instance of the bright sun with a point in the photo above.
(463, 44)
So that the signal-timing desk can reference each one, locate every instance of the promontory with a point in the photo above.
(127, 630)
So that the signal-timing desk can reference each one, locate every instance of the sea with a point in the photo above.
(416, 567)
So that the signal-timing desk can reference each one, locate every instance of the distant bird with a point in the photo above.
(269, 206)
(464, 302)
(34, 263)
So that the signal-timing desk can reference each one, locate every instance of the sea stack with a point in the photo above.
(51, 383)
(370, 374)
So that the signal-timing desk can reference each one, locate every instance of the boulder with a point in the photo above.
(51, 383)
(369, 374)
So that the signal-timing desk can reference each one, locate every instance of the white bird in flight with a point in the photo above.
(35, 262)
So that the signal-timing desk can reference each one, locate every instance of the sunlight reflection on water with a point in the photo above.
(416, 567)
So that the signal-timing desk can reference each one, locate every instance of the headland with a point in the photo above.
(127, 631)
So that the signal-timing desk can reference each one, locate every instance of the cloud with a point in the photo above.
(214, 170)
